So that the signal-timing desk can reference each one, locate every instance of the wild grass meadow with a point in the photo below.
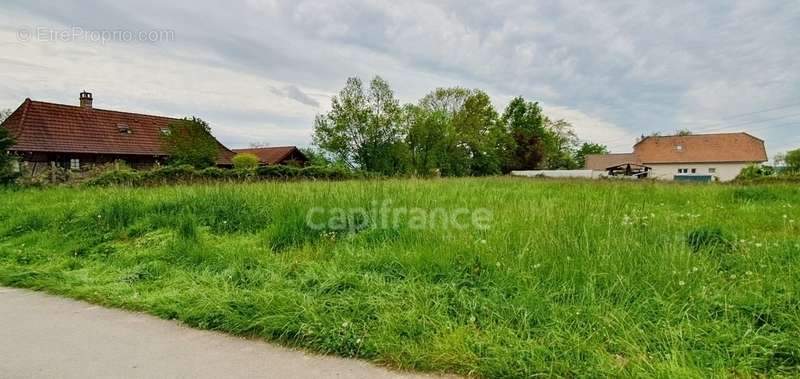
(571, 278)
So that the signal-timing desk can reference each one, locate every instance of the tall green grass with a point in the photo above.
(573, 278)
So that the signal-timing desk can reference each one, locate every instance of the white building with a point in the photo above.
(694, 157)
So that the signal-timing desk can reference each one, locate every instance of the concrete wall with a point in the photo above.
(724, 171)
(585, 174)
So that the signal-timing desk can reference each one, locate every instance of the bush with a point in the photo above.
(116, 177)
(188, 174)
(245, 161)
(278, 172)
(755, 171)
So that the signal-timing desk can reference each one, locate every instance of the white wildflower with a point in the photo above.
(681, 283)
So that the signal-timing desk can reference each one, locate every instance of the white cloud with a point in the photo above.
(615, 70)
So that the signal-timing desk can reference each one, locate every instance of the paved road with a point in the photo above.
(43, 336)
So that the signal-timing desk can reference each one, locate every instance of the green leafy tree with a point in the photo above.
(189, 142)
(683, 132)
(429, 135)
(561, 142)
(527, 125)
(363, 128)
(481, 132)
(7, 174)
(457, 132)
(793, 160)
(316, 157)
(588, 148)
(245, 161)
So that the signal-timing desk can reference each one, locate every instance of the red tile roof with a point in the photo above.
(272, 155)
(695, 148)
(700, 148)
(48, 127)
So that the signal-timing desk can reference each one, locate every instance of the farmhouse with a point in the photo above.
(691, 157)
(74, 137)
(279, 155)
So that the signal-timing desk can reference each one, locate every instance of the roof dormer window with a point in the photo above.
(124, 128)
(679, 147)
(166, 131)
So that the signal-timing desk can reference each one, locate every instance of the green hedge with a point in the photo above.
(188, 174)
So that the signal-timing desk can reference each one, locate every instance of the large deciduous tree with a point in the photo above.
(455, 131)
(527, 125)
(363, 128)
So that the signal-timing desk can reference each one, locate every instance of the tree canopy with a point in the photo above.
(450, 132)
(363, 127)
(792, 160)
(189, 142)
(588, 148)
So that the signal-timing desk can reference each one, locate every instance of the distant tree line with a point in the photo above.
(450, 132)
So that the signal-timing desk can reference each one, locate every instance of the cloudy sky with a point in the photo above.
(259, 71)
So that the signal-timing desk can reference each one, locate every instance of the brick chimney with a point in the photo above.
(86, 99)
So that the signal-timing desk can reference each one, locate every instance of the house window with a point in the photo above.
(683, 171)
(123, 128)
(165, 131)
(15, 166)
(694, 171)
(74, 164)
(712, 170)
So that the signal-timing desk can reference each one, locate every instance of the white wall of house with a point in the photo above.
(722, 171)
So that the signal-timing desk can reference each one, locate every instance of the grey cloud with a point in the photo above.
(640, 65)
(296, 94)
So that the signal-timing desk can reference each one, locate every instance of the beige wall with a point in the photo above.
(724, 171)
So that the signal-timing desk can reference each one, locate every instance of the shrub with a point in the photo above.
(116, 177)
(755, 171)
(188, 174)
(278, 172)
(212, 173)
(245, 161)
(709, 238)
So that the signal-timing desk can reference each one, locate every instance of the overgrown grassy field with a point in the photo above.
(572, 278)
